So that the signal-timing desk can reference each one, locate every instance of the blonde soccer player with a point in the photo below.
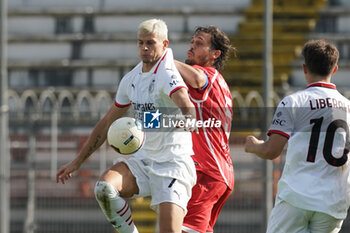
(162, 168)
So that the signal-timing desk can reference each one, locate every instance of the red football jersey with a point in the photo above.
(211, 147)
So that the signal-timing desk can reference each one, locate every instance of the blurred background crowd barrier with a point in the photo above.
(48, 130)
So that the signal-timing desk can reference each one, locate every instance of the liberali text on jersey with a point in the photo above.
(328, 103)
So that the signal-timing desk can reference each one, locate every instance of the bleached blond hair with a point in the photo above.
(156, 26)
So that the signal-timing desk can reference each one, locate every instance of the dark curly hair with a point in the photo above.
(320, 56)
(219, 41)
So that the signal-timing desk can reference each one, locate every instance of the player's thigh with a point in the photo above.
(199, 210)
(217, 208)
(170, 197)
(205, 195)
(170, 217)
(324, 223)
(168, 189)
(287, 218)
(120, 176)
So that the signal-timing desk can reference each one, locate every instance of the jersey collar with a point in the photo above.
(322, 84)
(160, 60)
(156, 66)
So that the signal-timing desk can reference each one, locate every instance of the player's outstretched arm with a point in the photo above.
(193, 76)
(270, 149)
(95, 140)
(181, 99)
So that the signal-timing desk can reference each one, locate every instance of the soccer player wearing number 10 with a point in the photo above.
(314, 192)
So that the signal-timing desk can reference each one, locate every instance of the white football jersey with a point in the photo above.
(316, 172)
(150, 92)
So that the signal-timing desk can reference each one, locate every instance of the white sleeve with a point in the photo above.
(282, 122)
(122, 98)
(171, 81)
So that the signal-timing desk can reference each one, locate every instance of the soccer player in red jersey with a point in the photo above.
(211, 96)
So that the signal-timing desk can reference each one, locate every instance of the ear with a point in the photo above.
(216, 54)
(335, 69)
(165, 43)
(305, 69)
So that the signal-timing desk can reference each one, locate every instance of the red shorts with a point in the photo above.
(208, 197)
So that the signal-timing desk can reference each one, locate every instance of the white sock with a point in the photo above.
(115, 208)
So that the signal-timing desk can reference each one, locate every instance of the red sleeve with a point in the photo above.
(199, 93)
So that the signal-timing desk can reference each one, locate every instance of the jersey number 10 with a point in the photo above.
(328, 142)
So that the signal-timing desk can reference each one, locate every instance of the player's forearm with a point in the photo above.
(99, 134)
(181, 99)
(189, 111)
(187, 108)
(261, 150)
(259, 147)
(95, 140)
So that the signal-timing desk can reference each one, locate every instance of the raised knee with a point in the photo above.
(104, 190)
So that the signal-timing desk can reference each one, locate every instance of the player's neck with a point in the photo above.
(210, 63)
(147, 67)
(315, 79)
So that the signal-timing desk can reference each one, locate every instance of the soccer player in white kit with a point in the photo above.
(162, 168)
(313, 192)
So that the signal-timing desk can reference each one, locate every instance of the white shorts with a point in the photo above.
(165, 182)
(287, 218)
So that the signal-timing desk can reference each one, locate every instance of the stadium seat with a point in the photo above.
(292, 21)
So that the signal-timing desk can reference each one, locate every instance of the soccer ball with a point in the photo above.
(125, 135)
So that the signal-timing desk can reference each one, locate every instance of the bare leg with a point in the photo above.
(107, 193)
(170, 218)
(120, 176)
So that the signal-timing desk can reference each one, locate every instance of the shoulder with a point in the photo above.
(135, 71)
(128, 77)
(210, 71)
(169, 75)
(170, 71)
(289, 100)
(299, 95)
(342, 96)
